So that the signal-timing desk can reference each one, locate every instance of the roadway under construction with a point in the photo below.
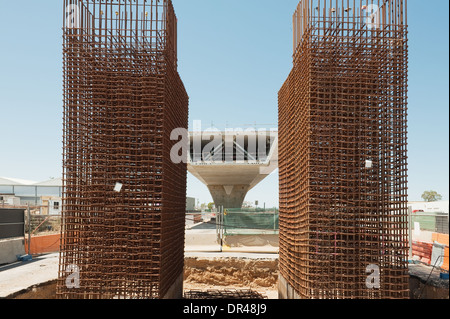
(342, 149)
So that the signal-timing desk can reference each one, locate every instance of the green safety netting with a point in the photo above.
(433, 222)
(239, 222)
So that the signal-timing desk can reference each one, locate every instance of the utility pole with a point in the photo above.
(29, 228)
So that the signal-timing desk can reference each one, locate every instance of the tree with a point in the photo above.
(210, 206)
(431, 196)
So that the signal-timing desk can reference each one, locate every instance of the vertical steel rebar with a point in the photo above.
(123, 97)
(343, 107)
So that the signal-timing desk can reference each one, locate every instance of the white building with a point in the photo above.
(9, 200)
(430, 207)
(190, 204)
(30, 192)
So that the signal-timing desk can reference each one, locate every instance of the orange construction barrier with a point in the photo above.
(423, 251)
(445, 264)
(43, 244)
(440, 238)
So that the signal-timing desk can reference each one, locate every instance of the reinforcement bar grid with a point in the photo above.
(124, 199)
(343, 152)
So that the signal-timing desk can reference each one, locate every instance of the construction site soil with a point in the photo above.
(202, 274)
(258, 275)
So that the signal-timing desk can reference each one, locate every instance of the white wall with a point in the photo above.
(11, 200)
(432, 207)
(10, 249)
(52, 209)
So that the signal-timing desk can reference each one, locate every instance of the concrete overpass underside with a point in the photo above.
(230, 165)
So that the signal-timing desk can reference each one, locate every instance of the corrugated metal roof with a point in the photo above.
(7, 181)
(51, 182)
(15, 181)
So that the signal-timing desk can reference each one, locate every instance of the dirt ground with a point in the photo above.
(44, 291)
(232, 273)
(203, 274)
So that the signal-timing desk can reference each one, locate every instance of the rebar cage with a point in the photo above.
(124, 199)
(343, 151)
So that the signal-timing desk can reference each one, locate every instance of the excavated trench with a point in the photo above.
(202, 274)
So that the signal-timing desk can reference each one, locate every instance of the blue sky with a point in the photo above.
(234, 55)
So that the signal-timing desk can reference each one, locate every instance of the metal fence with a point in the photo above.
(432, 222)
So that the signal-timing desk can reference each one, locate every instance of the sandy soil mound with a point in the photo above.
(249, 273)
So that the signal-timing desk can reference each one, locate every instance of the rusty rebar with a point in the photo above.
(235, 294)
(124, 199)
(343, 151)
